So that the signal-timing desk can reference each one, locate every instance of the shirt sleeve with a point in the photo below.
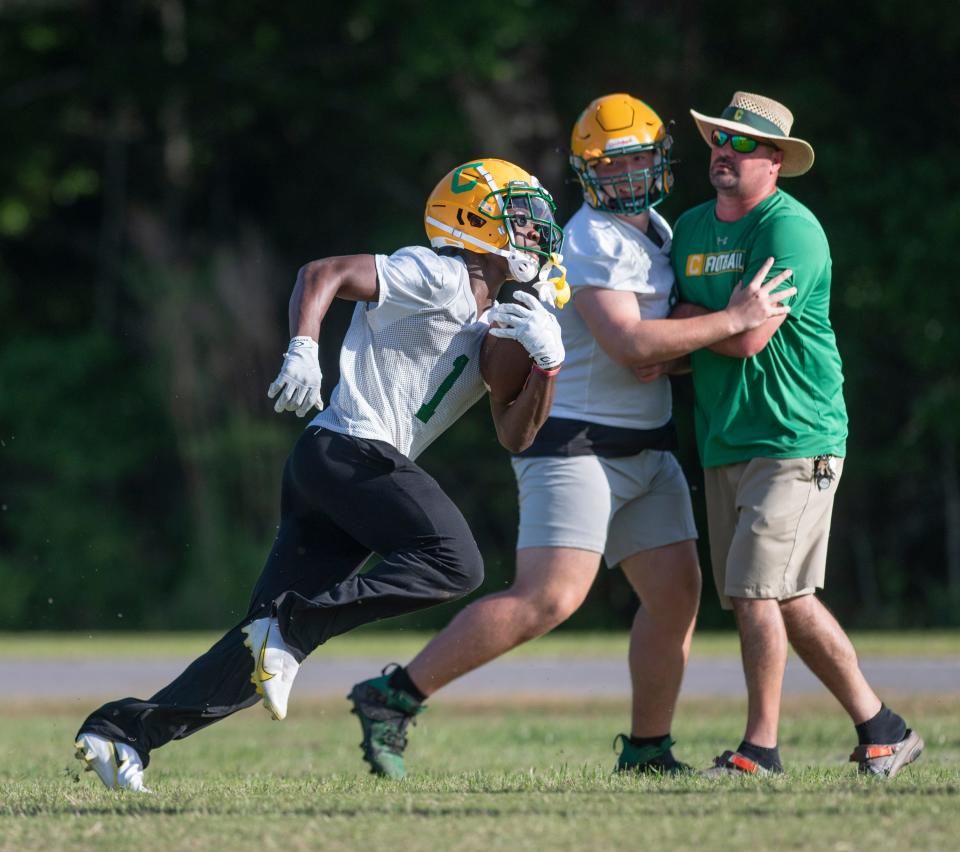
(590, 270)
(600, 258)
(410, 280)
(797, 244)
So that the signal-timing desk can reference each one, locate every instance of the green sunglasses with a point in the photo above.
(740, 144)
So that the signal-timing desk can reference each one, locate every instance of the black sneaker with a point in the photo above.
(650, 759)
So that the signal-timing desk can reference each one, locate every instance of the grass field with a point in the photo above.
(404, 644)
(483, 776)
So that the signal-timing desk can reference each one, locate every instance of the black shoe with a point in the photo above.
(650, 759)
(384, 713)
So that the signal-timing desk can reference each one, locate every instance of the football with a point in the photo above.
(505, 366)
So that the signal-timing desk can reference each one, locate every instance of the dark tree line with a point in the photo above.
(166, 166)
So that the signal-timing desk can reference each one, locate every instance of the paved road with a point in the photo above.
(516, 677)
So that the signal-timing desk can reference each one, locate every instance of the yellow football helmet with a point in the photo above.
(615, 126)
(480, 205)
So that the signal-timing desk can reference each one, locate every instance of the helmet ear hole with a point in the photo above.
(475, 220)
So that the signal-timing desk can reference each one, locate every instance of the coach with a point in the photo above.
(771, 431)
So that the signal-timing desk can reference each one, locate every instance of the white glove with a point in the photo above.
(533, 326)
(298, 384)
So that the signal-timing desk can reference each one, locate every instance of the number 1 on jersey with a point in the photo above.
(428, 409)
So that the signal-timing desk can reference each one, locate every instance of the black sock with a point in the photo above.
(640, 742)
(768, 758)
(885, 728)
(665, 759)
(399, 679)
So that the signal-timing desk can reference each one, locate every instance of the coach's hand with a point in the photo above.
(536, 329)
(753, 304)
(297, 388)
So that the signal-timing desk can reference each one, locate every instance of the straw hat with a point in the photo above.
(761, 118)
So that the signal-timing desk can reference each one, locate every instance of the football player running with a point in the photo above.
(409, 368)
(600, 478)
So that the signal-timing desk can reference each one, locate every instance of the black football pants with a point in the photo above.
(342, 499)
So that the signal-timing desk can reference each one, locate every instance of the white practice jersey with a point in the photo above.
(601, 250)
(410, 363)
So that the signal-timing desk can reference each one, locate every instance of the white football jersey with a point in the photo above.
(410, 363)
(601, 250)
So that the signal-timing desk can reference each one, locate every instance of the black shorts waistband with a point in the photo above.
(561, 436)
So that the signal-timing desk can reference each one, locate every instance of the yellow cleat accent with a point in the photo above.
(261, 669)
(272, 686)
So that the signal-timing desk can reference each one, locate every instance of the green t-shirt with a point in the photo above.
(787, 400)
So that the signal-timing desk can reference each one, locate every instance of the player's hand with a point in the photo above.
(673, 367)
(297, 388)
(645, 375)
(755, 303)
(533, 326)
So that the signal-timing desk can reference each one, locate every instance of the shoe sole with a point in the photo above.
(715, 772)
(374, 768)
(254, 677)
(910, 752)
(354, 709)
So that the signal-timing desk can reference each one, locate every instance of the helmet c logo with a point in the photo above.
(455, 184)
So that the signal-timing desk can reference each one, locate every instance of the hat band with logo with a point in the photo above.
(751, 119)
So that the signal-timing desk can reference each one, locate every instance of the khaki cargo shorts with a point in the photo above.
(769, 524)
